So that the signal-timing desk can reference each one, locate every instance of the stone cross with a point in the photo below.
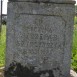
(39, 38)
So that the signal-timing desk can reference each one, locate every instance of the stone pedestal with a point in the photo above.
(39, 37)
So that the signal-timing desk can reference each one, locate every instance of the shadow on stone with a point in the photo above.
(17, 70)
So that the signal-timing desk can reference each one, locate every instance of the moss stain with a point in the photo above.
(17, 70)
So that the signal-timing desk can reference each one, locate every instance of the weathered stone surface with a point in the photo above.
(39, 37)
(62, 10)
(72, 72)
(47, 1)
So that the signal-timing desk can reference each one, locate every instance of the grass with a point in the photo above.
(74, 47)
(2, 45)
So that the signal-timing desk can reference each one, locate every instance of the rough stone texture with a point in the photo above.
(39, 37)
(72, 72)
(47, 1)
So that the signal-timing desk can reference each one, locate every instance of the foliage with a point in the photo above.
(74, 47)
(3, 22)
(2, 45)
(76, 8)
(75, 22)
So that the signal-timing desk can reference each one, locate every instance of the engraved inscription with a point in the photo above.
(40, 36)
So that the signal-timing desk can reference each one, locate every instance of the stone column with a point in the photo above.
(39, 38)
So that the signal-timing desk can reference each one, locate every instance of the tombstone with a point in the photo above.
(39, 38)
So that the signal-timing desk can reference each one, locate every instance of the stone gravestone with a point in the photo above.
(39, 37)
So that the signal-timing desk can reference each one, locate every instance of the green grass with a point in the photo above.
(74, 47)
(2, 45)
(75, 21)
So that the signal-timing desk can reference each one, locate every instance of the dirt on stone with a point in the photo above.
(72, 73)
